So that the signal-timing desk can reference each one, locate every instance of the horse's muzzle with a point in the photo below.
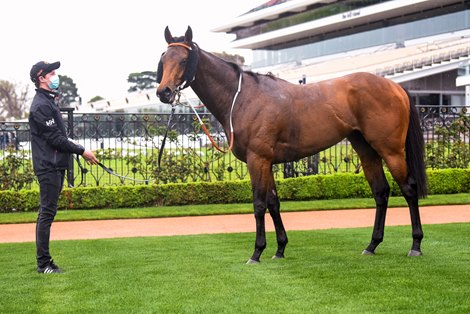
(167, 95)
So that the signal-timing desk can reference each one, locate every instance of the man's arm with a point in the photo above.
(44, 119)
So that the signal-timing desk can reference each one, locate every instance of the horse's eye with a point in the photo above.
(183, 62)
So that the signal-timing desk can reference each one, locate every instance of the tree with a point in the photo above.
(142, 81)
(240, 60)
(68, 91)
(13, 100)
(96, 98)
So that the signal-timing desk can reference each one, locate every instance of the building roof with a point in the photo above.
(415, 60)
(378, 12)
(269, 13)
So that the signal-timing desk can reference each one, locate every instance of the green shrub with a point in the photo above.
(25, 200)
(15, 174)
(445, 181)
(450, 150)
(324, 187)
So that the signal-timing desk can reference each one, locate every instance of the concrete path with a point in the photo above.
(308, 220)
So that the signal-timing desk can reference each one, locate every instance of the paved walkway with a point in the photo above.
(309, 220)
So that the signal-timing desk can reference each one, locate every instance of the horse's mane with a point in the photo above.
(254, 75)
(235, 66)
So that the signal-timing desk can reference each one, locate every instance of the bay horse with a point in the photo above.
(275, 121)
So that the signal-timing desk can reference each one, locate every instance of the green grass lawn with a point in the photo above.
(323, 272)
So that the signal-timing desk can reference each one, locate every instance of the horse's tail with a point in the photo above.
(414, 147)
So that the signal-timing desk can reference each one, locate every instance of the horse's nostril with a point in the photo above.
(167, 92)
(165, 95)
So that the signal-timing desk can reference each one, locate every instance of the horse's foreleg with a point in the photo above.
(274, 211)
(260, 242)
(260, 174)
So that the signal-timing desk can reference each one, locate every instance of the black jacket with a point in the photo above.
(49, 143)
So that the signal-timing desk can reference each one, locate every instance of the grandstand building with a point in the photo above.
(422, 44)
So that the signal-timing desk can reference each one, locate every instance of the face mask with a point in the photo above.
(54, 82)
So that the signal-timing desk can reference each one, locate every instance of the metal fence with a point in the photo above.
(129, 144)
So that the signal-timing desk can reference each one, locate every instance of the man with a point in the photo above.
(51, 151)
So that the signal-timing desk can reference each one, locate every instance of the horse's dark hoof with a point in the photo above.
(277, 256)
(252, 261)
(414, 253)
(365, 252)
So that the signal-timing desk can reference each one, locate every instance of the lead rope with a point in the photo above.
(231, 123)
(108, 170)
(160, 152)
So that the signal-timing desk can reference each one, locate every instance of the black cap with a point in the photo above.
(41, 69)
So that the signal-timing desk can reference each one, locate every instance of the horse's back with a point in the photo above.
(360, 97)
(380, 108)
(363, 102)
(295, 121)
(358, 89)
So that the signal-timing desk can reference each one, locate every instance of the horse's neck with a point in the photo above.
(216, 84)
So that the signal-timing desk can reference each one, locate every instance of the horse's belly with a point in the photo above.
(291, 152)
(307, 145)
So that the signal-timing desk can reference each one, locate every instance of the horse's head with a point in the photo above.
(177, 66)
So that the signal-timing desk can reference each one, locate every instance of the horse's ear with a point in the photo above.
(168, 37)
(188, 36)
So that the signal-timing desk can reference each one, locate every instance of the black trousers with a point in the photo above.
(50, 186)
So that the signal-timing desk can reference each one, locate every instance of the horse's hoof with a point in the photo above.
(414, 253)
(365, 252)
(277, 256)
(252, 261)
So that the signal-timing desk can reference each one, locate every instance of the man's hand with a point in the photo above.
(90, 157)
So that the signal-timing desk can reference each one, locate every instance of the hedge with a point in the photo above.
(446, 181)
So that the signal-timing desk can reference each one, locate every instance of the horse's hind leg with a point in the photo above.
(373, 171)
(397, 166)
(274, 210)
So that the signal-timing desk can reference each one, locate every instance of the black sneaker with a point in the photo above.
(50, 268)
